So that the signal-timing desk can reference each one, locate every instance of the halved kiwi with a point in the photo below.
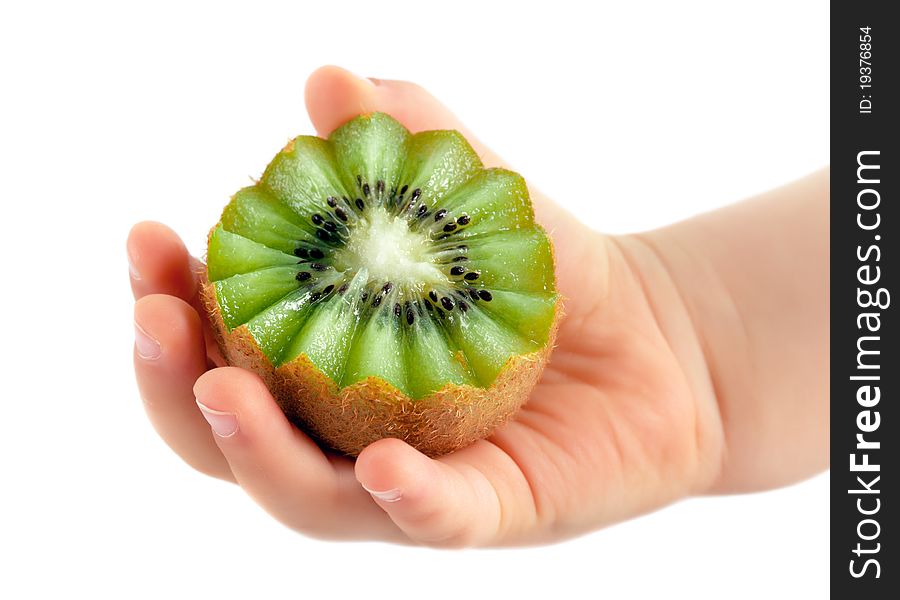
(385, 284)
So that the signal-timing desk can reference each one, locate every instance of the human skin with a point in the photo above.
(692, 360)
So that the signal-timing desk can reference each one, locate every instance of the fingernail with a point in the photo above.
(364, 78)
(224, 424)
(132, 270)
(391, 495)
(147, 347)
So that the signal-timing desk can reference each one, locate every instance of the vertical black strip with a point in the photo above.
(865, 368)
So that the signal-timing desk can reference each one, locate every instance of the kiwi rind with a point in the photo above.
(347, 419)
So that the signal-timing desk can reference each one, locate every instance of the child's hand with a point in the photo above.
(627, 418)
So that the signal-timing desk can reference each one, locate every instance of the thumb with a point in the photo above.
(335, 95)
(431, 501)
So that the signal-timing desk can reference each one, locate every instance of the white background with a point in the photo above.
(633, 116)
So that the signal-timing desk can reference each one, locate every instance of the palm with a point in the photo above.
(613, 410)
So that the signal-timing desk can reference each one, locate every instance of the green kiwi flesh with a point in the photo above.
(381, 254)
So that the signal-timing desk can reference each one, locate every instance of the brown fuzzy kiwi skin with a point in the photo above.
(349, 419)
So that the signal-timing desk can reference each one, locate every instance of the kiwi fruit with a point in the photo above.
(385, 284)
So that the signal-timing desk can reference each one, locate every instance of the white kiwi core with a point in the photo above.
(390, 251)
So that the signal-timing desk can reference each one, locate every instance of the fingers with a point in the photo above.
(169, 356)
(446, 502)
(159, 263)
(281, 468)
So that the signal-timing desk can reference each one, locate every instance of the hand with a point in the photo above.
(623, 421)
